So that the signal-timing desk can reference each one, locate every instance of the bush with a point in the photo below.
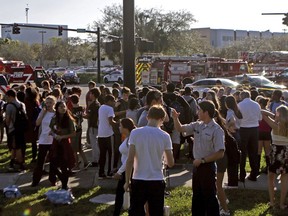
(86, 77)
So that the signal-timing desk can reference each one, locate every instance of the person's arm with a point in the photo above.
(210, 158)
(129, 166)
(169, 159)
(177, 125)
(41, 116)
(269, 118)
(112, 122)
(72, 132)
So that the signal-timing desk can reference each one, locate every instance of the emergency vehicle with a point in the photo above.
(17, 72)
(268, 63)
(155, 69)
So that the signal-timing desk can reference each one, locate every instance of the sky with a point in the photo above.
(221, 14)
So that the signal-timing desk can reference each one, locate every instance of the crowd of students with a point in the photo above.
(139, 128)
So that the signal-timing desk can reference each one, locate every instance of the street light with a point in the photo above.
(42, 49)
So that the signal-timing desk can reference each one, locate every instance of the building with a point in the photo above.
(33, 35)
(219, 38)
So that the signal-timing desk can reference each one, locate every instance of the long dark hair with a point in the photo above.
(128, 124)
(231, 103)
(64, 121)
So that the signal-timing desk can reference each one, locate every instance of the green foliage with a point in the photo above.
(86, 77)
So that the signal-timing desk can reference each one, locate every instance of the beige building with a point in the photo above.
(220, 38)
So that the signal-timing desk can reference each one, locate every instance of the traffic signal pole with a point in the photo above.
(129, 44)
(16, 30)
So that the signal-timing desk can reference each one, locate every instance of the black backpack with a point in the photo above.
(21, 120)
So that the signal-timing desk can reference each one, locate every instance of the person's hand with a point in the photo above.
(174, 113)
(126, 187)
(58, 137)
(117, 176)
(196, 162)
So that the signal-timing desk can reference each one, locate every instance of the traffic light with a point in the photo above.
(145, 46)
(60, 30)
(15, 29)
(285, 19)
(112, 47)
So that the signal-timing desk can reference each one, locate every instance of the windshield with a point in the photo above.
(261, 81)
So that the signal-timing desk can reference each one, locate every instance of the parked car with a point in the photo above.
(280, 78)
(71, 77)
(114, 76)
(205, 83)
(262, 83)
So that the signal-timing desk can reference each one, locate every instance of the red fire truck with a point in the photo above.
(266, 63)
(153, 70)
(17, 72)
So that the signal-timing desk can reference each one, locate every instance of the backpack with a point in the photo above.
(21, 120)
(179, 109)
(193, 109)
(184, 116)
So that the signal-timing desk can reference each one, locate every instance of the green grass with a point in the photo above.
(242, 202)
(33, 202)
(5, 157)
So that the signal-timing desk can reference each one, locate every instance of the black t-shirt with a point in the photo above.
(93, 114)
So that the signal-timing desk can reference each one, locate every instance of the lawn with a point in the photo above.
(242, 202)
(33, 202)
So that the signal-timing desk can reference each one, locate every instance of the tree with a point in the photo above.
(153, 24)
(53, 50)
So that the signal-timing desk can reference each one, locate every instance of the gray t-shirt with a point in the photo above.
(208, 138)
(11, 112)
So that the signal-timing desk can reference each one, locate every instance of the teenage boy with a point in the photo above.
(105, 133)
(148, 144)
(208, 147)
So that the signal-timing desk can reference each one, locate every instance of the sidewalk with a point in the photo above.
(180, 175)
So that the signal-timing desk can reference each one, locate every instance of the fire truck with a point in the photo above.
(176, 69)
(268, 63)
(17, 72)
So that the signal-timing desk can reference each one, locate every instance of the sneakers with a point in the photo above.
(252, 178)
(224, 213)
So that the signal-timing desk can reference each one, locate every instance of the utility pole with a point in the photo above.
(42, 47)
(26, 10)
(98, 56)
(129, 44)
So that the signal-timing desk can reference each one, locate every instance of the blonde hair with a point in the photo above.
(283, 120)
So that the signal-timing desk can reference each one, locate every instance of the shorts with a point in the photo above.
(222, 164)
(15, 142)
(264, 136)
(279, 159)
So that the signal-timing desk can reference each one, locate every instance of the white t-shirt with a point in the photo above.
(104, 127)
(123, 149)
(150, 144)
(44, 137)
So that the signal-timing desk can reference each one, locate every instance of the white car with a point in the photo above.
(203, 84)
(114, 76)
